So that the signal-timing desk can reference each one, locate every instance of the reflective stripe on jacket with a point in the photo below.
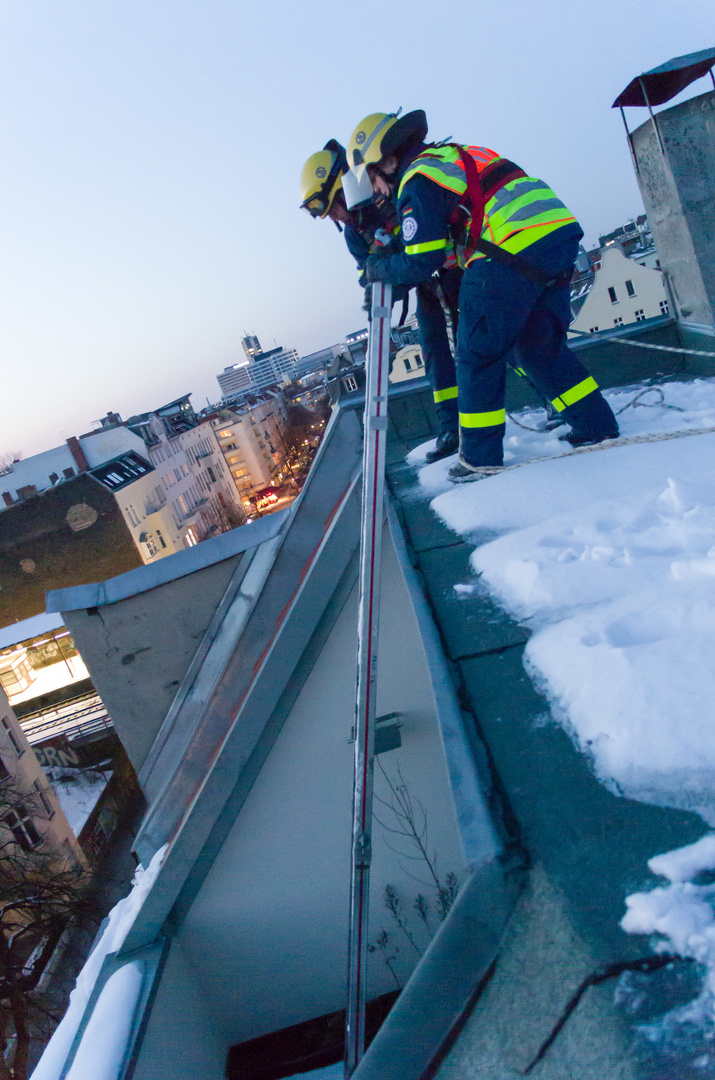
(519, 210)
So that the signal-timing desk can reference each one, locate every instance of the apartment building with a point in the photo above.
(252, 443)
(190, 494)
(31, 818)
(117, 458)
(623, 291)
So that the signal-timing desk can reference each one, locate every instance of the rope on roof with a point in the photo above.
(645, 345)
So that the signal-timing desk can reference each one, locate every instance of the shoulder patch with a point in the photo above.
(409, 228)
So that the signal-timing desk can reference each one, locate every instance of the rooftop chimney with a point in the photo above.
(78, 454)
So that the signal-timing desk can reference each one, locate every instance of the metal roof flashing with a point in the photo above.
(170, 568)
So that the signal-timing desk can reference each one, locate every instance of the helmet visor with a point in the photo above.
(357, 187)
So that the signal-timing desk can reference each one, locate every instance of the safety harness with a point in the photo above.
(480, 189)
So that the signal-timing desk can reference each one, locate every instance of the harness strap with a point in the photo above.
(501, 174)
(405, 308)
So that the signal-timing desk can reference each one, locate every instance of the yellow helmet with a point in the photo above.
(365, 145)
(381, 134)
(322, 178)
(378, 136)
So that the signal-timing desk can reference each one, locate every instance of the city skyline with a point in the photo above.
(150, 193)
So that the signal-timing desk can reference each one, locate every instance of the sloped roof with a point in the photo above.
(662, 83)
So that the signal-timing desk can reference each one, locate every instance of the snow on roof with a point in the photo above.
(119, 1000)
(78, 793)
(609, 558)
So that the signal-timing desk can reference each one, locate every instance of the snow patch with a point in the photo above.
(609, 558)
(78, 792)
(119, 922)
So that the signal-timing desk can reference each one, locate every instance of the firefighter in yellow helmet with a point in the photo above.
(518, 243)
(368, 228)
(379, 135)
(321, 181)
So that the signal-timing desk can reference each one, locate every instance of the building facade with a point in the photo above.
(252, 443)
(623, 291)
(31, 818)
(190, 495)
(407, 364)
(262, 370)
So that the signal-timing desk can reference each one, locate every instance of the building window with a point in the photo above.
(162, 541)
(12, 736)
(612, 294)
(408, 365)
(629, 288)
(664, 307)
(640, 315)
(151, 545)
(618, 321)
(43, 797)
(53, 478)
(350, 383)
(593, 329)
(418, 361)
(69, 473)
(211, 474)
(22, 828)
(4, 771)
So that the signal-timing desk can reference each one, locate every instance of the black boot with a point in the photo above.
(447, 444)
(586, 440)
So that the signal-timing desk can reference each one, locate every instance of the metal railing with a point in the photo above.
(81, 716)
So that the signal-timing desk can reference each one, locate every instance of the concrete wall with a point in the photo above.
(268, 929)
(181, 1040)
(138, 650)
(678, 190)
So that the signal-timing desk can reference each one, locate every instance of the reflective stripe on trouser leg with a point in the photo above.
(438, 359)
(449, 394)
(496, 418)
(574, 394)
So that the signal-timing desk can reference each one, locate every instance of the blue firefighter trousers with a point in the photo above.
(501, 310)
(436, 350)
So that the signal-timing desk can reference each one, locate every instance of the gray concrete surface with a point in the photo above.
(676, 176)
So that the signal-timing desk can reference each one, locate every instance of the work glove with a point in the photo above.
(367, 302)
(374, 267)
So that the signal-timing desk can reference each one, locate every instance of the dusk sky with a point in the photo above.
(151, 151)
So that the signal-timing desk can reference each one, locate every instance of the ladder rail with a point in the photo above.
(374, 440)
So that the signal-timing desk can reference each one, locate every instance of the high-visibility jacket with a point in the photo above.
(437, 205)
(517, 210)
